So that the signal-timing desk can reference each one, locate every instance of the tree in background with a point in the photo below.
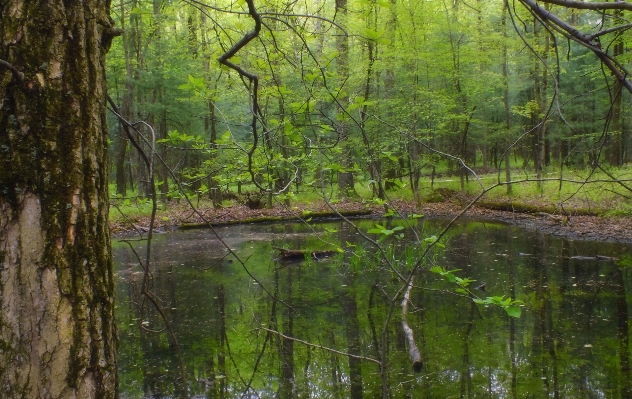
(370, 92)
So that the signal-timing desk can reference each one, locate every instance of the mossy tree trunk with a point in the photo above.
(57, 332)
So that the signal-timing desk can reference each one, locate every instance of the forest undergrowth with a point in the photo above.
(595, 209)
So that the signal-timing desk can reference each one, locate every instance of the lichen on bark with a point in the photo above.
(57, 331)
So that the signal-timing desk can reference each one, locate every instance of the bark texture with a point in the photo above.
(57, 332)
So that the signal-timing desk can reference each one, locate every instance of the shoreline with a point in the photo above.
(575, 227)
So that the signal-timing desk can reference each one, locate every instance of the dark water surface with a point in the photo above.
(572, 341)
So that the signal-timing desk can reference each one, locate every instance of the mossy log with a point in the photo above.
(264, 219)
(331, 214)
(270, 219)
(530, 208)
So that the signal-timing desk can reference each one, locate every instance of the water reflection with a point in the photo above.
(571, 341)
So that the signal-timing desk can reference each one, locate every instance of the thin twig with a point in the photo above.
(320, 346)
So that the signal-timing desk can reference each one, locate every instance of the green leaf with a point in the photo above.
(430, 240)
(437, 269)
(373, 34)
(335, 167)
(225, 139)
(332, 55)
(284, 90)
(513, 311)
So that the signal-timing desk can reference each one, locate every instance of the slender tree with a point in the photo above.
(345, 178)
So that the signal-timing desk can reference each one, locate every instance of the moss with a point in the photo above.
(441, 194)
(531, 208)
(330, 214)
(270, 219)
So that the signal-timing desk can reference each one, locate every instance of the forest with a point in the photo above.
(361, 98)
(136, 117)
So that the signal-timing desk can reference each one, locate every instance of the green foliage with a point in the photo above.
(512, 307)
(385, 232)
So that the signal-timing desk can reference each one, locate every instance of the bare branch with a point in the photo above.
(581, 38)
(617, 5)
(413, 350)
(611, 30)
(319, 346)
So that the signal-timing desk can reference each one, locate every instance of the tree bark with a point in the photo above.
(346, 181)
(57, 330)
(507, 159)
(413, 351)
(126, 111)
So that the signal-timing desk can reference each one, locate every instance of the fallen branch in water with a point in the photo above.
(413, 350)
(319, 346)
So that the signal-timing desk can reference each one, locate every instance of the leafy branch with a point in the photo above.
(511, 306)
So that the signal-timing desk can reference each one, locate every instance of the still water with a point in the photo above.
(572, 340)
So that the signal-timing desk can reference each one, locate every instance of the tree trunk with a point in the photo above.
(346, 182)
(615, 153)
(507, 159)
(126, 110)
(57, 332)
(540, 96)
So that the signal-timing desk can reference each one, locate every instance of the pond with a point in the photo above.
(259, 330)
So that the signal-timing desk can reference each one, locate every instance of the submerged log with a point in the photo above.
(302, 253)
(596, 257)
(413, 350)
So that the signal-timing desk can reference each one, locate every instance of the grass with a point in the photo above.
(598, 195)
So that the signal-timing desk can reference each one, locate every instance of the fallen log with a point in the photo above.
(413, 350)
(596, 257)
(302, 253)
(548, 210)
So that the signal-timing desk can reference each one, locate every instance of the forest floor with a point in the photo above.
(530, 215)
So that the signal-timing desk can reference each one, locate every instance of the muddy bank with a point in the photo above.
(581, 227)
(577, 227)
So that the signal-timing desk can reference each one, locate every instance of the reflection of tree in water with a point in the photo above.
(352, 334)
(623, 333)
(287, 387)
(216, 379)
(512, 323)
(543, 364)
(162, 369)
(324, 303)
